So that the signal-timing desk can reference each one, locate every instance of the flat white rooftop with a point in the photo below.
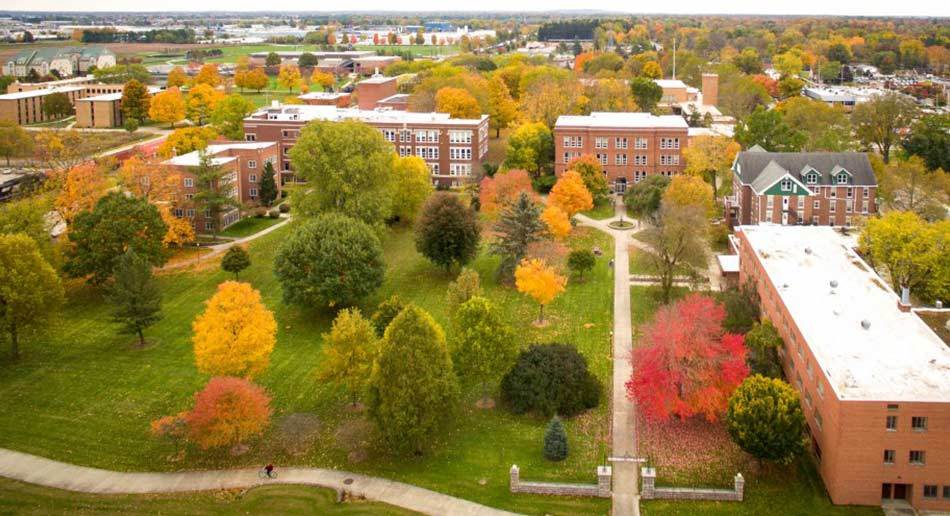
(897, 358)
(193, 158)
(307, 113)
(670, 83)
(631, 120)
(324, 95)
(40, 92)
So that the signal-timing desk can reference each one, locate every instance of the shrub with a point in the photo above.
(235, 260)
(447, 232)
(763, 343)
(765, 419)
(581, 261)
(260, 212)
(742, 308)
(284, 208)
(550, 379)
(273, 213)
(466, 286)
(555, 441)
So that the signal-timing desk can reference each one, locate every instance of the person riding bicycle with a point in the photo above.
(269, 470)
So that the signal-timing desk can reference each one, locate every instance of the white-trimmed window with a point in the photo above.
(251, 163)
(669, 143)
(811, 178)
(427, 136)
(786, 185)
(250, 137)
(841, 178)
(889, 456)
(456, 136)
(801, 203)
(918, 423)
(574, 142)
(620, 159)
(640, 159)
(460, 153)
(669, 159)
(602, 158)
(600, 142)
(252, 178)
(189, 182)
(460, 169)
(252, 192)
(427, 152)
(866, 192)
(389, 135)
(639, 175)
(640, 143)
(917, 457)
(434, 167)
(405, 136)
(179, 212)
(620, 142)
(209, 225)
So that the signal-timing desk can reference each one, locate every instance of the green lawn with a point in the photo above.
(82, 393)
(248, 226)
(20, 498)
(419, 50)
(602, 211)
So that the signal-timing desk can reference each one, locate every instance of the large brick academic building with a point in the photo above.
(874, 379)
(629, 146)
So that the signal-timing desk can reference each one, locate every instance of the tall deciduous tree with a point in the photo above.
(167, 106)
(466, 286)
(235, 335)
(447, 232)
(711, 157)
(502, 110)
(879, 121)
(289, 77)
(228, 115)
(227, 412)
(765, 419)
(530, 147)
(135, 101)
(201, 101)
(484, 346)
(909, 186)
(457, 102)
(824, 127)
(185, 140)
(540, 281)
(768, 129)
(83, 186)
(686, 365)
(208, 75)
(57, 105)
(331, 260)
(557, 222)
(256, 79)
(348, 352)
(117, 224)
(929, 138)
(412, 185)
(348, 166)
(646, 92)
(592, 172)
(504, 188)
(15, 142)
(570, 195)
(915, 254)
(678, 240)
(177, 77)
(520, 225)
(690, 191)
(30, 290)
(135, 295)
(413, 386)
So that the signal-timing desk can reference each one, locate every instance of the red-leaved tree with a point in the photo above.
(686, 365)
(227, 412)
(504, 187)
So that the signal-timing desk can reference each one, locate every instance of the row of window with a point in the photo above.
(917, 423)
(620, 142)
(622, 159)
(916, 457)
(930, 491)
(425, 136)
(842, 178)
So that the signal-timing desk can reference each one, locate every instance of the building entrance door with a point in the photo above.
(900, 491)
(620, 185)
(885, 491)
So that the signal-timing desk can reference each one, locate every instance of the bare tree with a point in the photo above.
(677, 242)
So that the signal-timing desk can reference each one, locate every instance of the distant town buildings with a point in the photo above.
(452, 148)
(629, 146)
(845, 96)
(66, 61)
(874, 379)
(795, 188)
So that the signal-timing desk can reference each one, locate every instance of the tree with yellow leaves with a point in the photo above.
(349, 351)
(235, 335)
(540, 281)
(685, 191)
(289, 76)
(324, 79)
(208, 74)
(457, 102)
(180, 230)
(557, 222)
(177, 77)
(570, 195)
(256, 80)
(159, 186)
(202, 99)
(187, 139)
(502, 109)
(83, 185)
(711, 157)
(652, 70)
(167, 106)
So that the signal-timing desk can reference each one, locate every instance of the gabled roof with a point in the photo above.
(827, 164)
(772, 174)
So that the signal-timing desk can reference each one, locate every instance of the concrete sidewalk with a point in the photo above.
(45, 472)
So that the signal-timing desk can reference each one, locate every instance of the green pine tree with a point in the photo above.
(137, 300)
(268, 190)
(519, 226)
(555, 441)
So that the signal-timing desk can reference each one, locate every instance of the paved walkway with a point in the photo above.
(45, 472)
(623, 428)
(218, 249)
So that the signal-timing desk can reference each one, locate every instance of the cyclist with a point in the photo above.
(269, 470)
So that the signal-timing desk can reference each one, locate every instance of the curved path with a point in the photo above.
(50, 473)
(218, 249)
(623, 427)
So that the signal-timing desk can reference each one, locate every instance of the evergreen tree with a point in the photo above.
(519, 226)
(135, 295)
(235, 260)
(765, 419)
(268, 189)
(555, 441)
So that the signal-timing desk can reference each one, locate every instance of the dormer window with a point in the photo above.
(811, 178)
(841, 178)
(786, 185)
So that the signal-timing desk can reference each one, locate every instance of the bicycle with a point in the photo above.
(262, 473)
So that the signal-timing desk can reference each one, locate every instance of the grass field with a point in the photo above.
(82, 393)
(93, 142)
(601, 211)
(248, 226)
(417, 50)
(19, 498)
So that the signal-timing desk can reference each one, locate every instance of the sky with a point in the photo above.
(785, 7)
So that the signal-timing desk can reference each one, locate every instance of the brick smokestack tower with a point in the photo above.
(710, 89)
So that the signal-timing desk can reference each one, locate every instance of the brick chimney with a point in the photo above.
(710, 89)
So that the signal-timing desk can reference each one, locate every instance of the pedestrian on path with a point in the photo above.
(269, 469)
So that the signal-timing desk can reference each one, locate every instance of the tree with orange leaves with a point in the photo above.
(581, 59)
(557, 222)
(177, 77)
(201, 101)
(324, 79)
(167, 106)
(503, 188)
(711, 157)
(227, 412)
(83, 185)
(570, 195)
(458, 103)
(540, 281)
(235, 335)
(180, 230)
(159, 186)
(208, 74)
(289, 76)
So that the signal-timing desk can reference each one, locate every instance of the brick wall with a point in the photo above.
(651, 492)
(601, 489)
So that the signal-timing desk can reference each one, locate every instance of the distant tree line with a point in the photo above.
(152, 36)
(574, 29)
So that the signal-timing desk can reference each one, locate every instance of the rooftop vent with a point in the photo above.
(834, 283)
(866, 324)
(808, 250)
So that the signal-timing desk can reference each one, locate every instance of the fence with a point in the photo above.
(651, 492)
(601, 489)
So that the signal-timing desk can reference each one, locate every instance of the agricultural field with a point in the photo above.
(109, 391)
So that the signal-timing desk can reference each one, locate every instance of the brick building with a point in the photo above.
(25, 106)
(370, 91)
(103, 111)
(326, 98)
(874, 379)
(788, 188)
(242, 165)
(629, 146)
(452, 148)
